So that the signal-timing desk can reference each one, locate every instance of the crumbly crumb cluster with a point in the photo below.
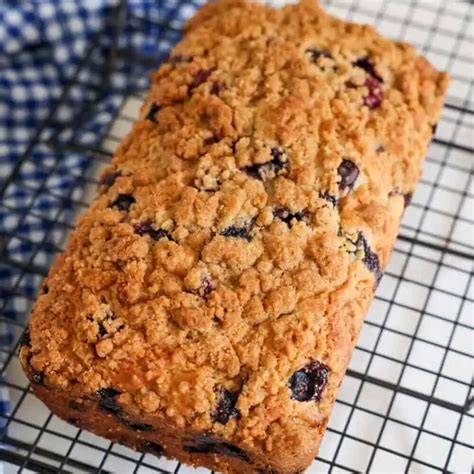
(219, 280)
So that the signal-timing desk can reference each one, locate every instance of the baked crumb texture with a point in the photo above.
(209, 300)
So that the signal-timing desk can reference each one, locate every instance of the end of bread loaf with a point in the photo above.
(208, 302)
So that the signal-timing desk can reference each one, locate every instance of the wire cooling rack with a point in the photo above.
(406, 402)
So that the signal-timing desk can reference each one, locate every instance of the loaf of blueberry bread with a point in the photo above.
(208, 302)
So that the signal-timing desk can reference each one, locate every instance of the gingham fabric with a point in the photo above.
(42, 43)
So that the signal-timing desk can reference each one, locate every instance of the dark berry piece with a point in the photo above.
(152, 448)
(145, 228)
(37, 378)
(151, 115)
(279, 158)
(238, 232)
(136, 426)
(25, 338)
(434, 128)
(107, 400)
(108, 180)
(256, 171)
(206, 445)
(372, 263)
(73, 421)
(380, 149)
(329, 198)
(374, 98)
(370, 259)
(200, 77)
(349, 172)
(315, 54)
(142, 228)
(123, 202)
(368, 66)
(277, 165)
(216, 88)
(207, 286)
(286, 216)
(45, 289)
(102, 331)
(308, 383)
(407, 197)
(211, 140)
(225, 407)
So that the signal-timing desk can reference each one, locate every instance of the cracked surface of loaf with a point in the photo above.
(208, 302)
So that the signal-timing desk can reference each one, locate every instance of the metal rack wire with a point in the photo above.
(406, 403)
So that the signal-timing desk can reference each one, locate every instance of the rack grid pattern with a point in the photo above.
(406, 404)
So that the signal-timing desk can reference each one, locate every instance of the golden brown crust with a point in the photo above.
(237, 238)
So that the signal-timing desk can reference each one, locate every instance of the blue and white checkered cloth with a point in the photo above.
(42, 42)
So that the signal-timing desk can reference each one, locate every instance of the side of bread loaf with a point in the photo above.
(208, 302)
